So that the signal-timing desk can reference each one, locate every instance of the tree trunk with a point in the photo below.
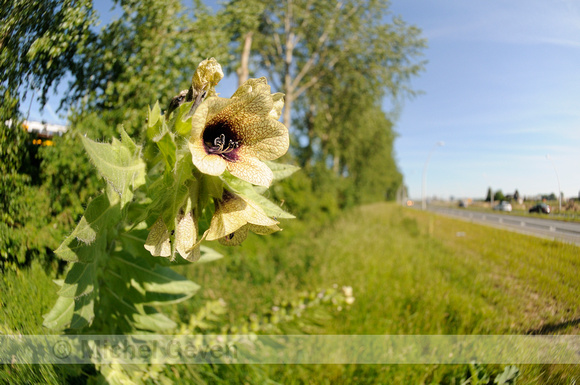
(244, 70)
(336, 164)
(288, 88)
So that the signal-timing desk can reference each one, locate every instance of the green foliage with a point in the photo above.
(115, 283)
(125, 286)
(72, 179)
(406, 281)
(498, 196)
(478, 375)
(148, 53)
(39, 41)
(316, 51)
(25, 208)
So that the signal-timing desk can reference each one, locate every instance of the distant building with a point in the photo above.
(44, 129)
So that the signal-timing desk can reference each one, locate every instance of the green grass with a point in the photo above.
(412, 272)
(25, 295)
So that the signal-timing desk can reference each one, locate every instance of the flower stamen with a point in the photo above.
(219, 146)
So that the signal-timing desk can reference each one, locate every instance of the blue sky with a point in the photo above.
(501, 89)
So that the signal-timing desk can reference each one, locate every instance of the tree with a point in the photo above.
(152, 49)
(242, 20)
(335, 63)
(39, 42)
(489, 196)
(498, 196)
(303, 41)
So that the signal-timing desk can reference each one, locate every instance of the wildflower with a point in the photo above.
(234, 217)
(237, 134)
(206, 77)
(158, 241)
(186, 237)
(347, 291)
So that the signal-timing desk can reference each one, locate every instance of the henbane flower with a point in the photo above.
(234, 216)
(206, 77)
(186, 243)
(237, 134)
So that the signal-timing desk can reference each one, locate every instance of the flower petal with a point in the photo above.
(244, 111)
(235, 238)
(186, 237)
(206, 163)
(278, 105)
(215, 105)
(157, 242)
(263, 230)
(208, 74)
(266, 140)
(251, 170)
(252, 85)
(229, 217)
(254, 214)
(199, 118)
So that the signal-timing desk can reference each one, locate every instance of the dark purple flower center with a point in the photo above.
(220, 139)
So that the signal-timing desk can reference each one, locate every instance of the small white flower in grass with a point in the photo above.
(347, 291)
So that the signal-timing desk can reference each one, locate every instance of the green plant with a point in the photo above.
(193, 180)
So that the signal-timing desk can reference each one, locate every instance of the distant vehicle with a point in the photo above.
(503, 206)
(462, 204)
(541, 208)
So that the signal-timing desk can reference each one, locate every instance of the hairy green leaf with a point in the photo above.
(122, 168)
(166, 145)
(247, 190)
(281, 170)
(158, 279)
(155, 322)
(84, 311)
(69, 312)
(154, 116)
(183, 127)
(100, 214)
(73, 250)
(60, 315)
(508, 377)
(162, 299)
(80, 280)
(208, 255)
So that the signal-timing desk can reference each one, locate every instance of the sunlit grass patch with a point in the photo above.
(412, 273)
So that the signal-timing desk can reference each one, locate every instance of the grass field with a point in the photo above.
(412, 272)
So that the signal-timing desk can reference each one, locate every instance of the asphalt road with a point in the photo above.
(540, 227)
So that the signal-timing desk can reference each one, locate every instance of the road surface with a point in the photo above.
(540, 227)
